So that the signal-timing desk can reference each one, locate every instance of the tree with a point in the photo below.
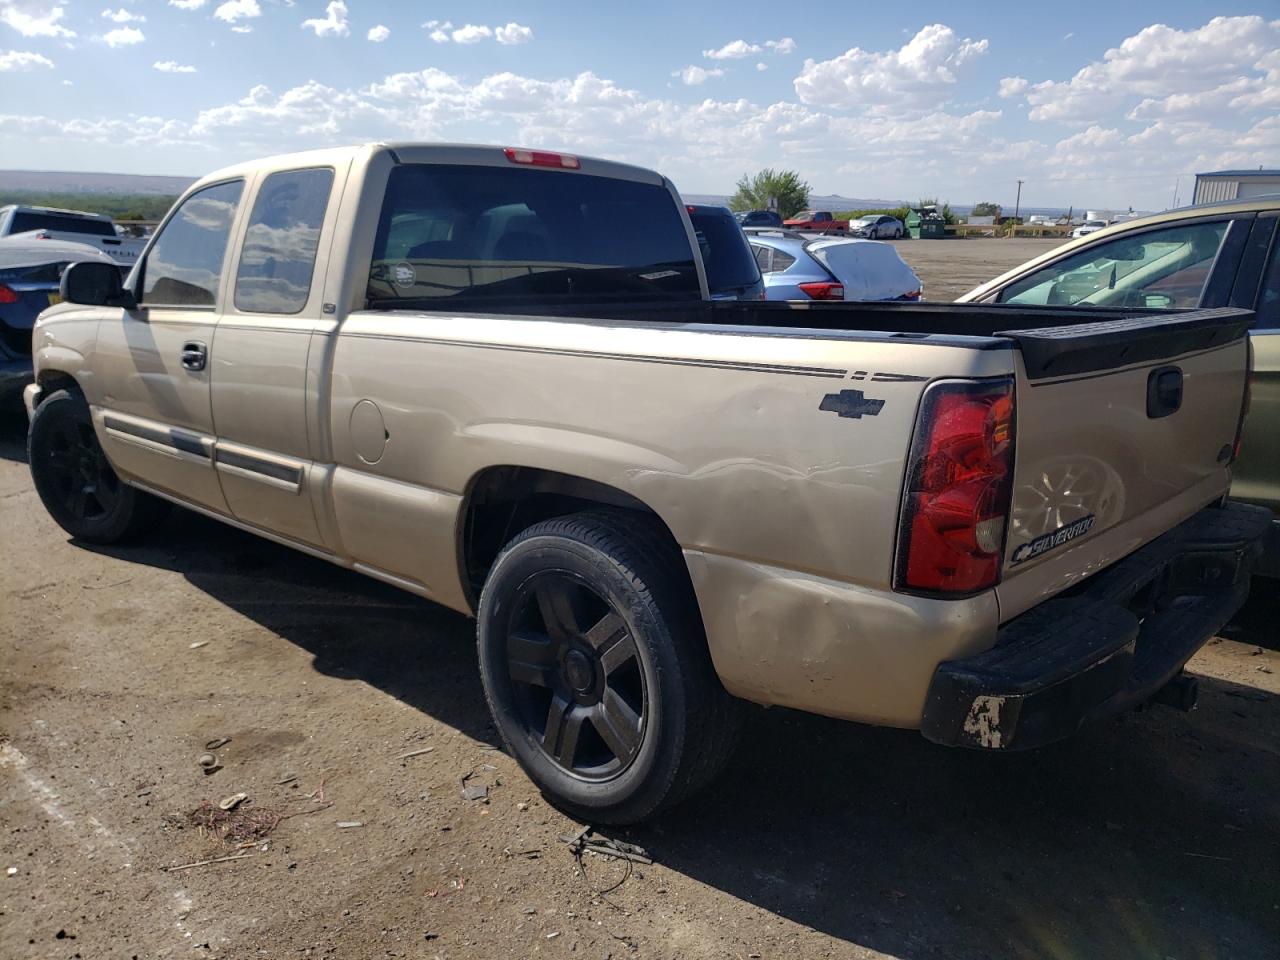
(986, 209)
(785, 186)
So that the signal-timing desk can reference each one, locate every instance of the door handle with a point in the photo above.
(194, 355)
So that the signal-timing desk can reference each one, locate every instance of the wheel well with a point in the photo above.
(503, 501)
(51, 380)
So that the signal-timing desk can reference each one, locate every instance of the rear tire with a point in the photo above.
(75, 481)
(596, 669)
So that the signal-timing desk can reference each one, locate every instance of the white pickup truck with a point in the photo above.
(445, 367)
(73, 226)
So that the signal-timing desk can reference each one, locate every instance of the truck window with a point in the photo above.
(726, 256)
(280, 243)
(184, 265)
(1161, 268)
(24, 220)
(471, 232)
(1268, 307)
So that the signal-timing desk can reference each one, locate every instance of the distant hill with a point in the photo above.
(53, 181)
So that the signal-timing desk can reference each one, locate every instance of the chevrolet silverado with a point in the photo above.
(444, 367)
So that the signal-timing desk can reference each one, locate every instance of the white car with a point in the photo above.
(72, 226)
(1088, 227)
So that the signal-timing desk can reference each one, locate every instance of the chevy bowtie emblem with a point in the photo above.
(850, 403)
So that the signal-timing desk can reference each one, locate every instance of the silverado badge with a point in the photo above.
(1052, 539)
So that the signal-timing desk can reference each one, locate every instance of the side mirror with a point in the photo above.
(95, 284)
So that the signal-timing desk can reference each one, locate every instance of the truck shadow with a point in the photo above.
(1152, 836)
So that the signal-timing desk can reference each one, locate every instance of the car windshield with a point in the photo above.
(867, 221)
(25, 220)
(726, 255)
(475, 232)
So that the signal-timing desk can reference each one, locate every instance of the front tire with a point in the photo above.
(596, 669)
(75, 481)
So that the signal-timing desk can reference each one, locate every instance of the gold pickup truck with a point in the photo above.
(492, 378)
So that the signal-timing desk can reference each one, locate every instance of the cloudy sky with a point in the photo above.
(1093, 103)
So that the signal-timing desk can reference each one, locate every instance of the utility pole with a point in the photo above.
(1017, 204)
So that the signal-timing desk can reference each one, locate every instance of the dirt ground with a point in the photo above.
(1153, 836)
(952, 267)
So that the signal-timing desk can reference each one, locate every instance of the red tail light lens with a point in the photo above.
(8, 294)
(824, 291)
(542, 158)
(959, 482)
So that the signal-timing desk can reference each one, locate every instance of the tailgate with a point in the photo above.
(1124, 429)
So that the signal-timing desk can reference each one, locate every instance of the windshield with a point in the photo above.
(25, 220)
(726, 255)
(449, 232)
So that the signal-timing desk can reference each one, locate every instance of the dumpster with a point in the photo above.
(926, 223)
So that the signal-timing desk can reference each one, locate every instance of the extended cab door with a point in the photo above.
(152, 362)
(262, 346)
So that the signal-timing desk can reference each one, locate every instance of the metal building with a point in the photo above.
(1235, 185)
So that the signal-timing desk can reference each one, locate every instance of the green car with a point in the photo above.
(1212, 255)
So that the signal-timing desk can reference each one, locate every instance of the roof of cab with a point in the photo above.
(420, 152)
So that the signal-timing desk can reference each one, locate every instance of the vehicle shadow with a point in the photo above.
(1152, 836)
(13, 436)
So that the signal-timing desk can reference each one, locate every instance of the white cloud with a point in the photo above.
(733, 50)
(13, 60)
(692, 76)
(123, 37)
(471, 33)
(378, 34)
(513, 33)
(1013, 86)
(922, 73)
(1230, 62)
(172, 66)
(35, 19)
(187, 4)
(334, 22)
(439, 30)
(242, 29)
(234, 10)
(762, 66)
(123, 16)
(785, 45)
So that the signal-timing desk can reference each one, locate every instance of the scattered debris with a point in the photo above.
(238, 824)
(349, 824)
(415, 753)
(209, 763)
(217, 742)
(533, 853)
(105, 586)
(12, 871)
(287, 778)
(552, 936)
(233, 801)
(198, 644)
(522, 807)
(586, 841)
(205, 863)
(1264, 669)
(432, 894)
(475, 791)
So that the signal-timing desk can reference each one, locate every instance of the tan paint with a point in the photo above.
(787, 514)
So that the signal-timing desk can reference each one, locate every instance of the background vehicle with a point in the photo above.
(72, 226)
(731, 270)
(875, 227)
(800, 268)
(444, 366)
(1212, 255)
(1088, 227)
(816, 220)
(29, 274)
(759, 218)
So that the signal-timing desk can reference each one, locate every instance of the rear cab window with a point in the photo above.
(726, 255)
(460, 233)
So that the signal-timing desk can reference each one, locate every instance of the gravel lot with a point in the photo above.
(952, 267)
(1157, 835)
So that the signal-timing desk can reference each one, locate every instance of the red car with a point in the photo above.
(817, 220)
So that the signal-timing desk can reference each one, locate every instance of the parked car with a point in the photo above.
(30, 271)
(731, 270)
(759, 218)
(876, 227)
(445, 366)
(1212, 255)
(1088, 227)
(816, 220)
(800, 268)
(71, 226)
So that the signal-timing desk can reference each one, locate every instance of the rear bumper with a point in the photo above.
(1112, 644)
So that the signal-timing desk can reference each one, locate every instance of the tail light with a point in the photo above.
(8, 294)
(959, 482)
(542, 158)
(1245, 401)
(824, 291)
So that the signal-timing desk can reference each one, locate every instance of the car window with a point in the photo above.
(1163, 268)
(781, 261)
(280, 243)
(762, 257)
(24, 220)
(1268, 307)
(725, 252)
(449, 231)
(184, 265)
